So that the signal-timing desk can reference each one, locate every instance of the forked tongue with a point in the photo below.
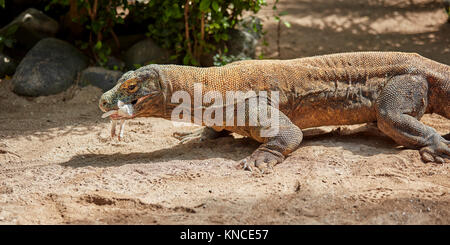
(109, 113)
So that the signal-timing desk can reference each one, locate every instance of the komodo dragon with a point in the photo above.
(393, 89)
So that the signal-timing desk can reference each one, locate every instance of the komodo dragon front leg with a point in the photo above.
(273, 149)
(401, 104)
(284, 139)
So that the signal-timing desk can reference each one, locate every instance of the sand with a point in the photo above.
(58, 164)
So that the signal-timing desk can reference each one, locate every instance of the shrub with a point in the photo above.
(99, 17)
(189, 27)
(192, 27)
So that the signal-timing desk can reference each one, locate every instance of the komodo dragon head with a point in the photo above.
(143, 89)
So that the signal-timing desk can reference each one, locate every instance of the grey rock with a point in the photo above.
(114, 63)
(31, 26)
(145, 52)
(241, 44)
(7, 66)
(125, 42)
(50, 67)
(100, 77)
(252, 25)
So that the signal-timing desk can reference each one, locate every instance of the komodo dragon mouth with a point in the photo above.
(125, 111)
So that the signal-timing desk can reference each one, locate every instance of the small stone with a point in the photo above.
(100, 77)
(241, 44)
(7, 66)
(6, 190)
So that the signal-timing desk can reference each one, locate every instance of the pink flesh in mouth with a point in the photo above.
(114, 116)
(109, 113)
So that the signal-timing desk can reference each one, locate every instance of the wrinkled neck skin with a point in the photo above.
(158, 106)
(162, 107)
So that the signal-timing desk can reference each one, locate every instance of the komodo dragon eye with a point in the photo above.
(130, 86)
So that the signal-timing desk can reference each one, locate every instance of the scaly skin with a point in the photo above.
(391, 88)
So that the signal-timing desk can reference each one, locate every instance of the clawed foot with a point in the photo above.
(184, 137)
(261, 161)
(437, 152)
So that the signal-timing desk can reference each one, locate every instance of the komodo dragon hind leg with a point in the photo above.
(401, 104)
(202, 134)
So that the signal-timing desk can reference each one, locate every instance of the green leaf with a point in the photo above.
(287, 24)
(2, 3)
(173, 57)
(204, 5)
(11, 30)
(98, 45)
(84, 46)
(224, 36)
(215, 6)
(186, 60)
(283, 13)
(9, 42)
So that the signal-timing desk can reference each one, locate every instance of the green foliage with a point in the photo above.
(191, 28)
(277, 15)
(2, 3)
(99, 17)
(221, 59)
(253, 26)
(7, 37)
(207, 23)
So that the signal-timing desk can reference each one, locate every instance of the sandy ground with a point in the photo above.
(59, 166)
